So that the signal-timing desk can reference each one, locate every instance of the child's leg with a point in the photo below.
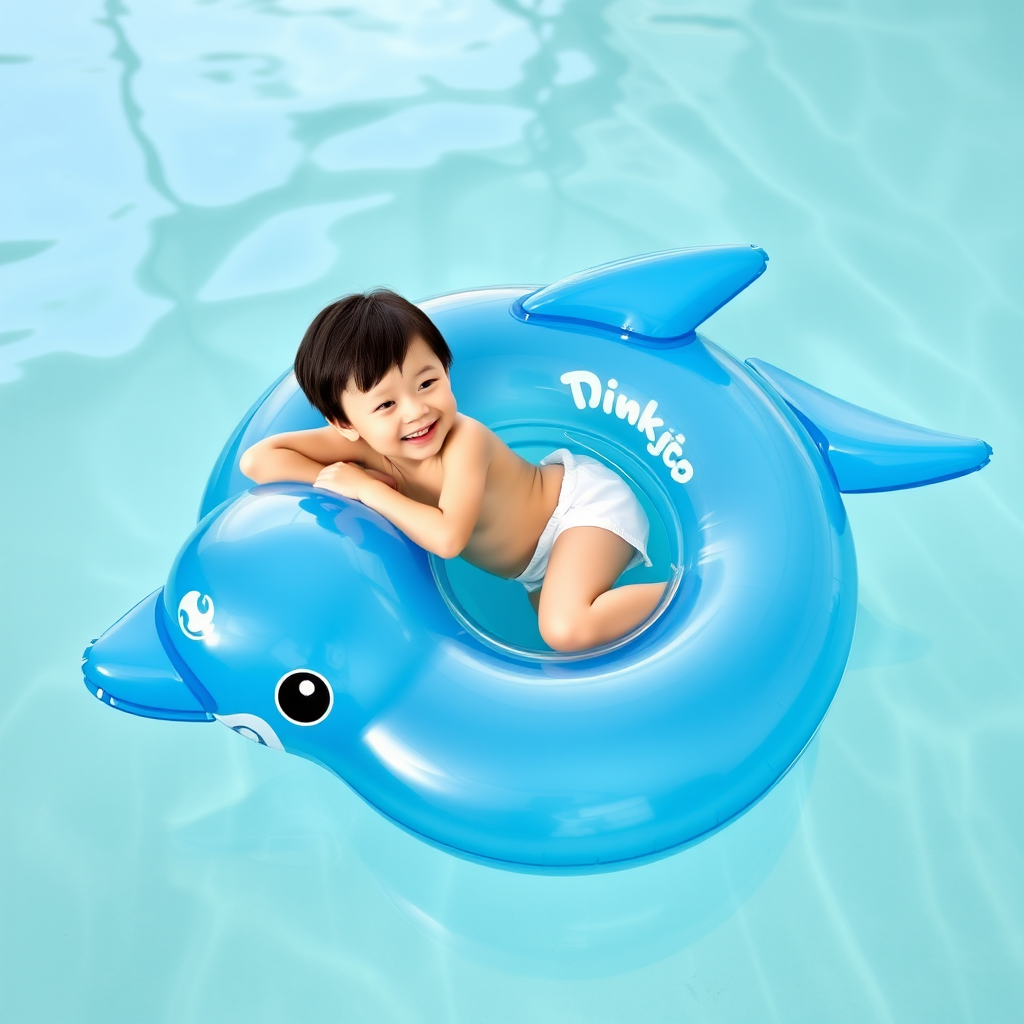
(577, 607)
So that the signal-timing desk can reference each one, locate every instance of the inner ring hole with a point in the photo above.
(497, 611)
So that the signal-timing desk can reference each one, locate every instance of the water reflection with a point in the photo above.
(419, 136)
(288, 250)
(224, 141)
(75, 186)
(222, 86)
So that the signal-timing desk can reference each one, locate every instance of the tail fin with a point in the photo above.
(869, 452)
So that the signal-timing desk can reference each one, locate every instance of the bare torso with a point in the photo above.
(519, 499)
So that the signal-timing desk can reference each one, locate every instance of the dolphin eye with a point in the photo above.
(304, 698)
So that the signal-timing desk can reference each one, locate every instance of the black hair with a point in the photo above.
(360, 338)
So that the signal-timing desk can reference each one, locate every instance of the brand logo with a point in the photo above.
(195, 615)
(668, 445)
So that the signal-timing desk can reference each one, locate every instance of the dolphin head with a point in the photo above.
(286, 616)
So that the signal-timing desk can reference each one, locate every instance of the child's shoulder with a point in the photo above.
(468, 438)
(468, 425)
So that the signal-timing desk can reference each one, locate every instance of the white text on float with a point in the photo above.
(669, 445)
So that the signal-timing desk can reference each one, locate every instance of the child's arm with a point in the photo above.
(299, 455)
(444, 530)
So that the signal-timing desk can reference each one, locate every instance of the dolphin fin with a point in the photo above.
(870, 452)
(662, 296)
(130, 668)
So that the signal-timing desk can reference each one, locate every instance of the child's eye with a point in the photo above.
(384, 405)
(427, 383)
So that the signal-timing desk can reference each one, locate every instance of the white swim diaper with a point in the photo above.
(591, 495)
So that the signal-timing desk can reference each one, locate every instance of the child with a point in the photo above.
(377, 368)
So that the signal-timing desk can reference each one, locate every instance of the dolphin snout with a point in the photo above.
(128, 668)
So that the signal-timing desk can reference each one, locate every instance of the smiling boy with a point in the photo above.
(377, 368)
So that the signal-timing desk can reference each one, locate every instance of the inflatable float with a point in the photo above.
(308, 623)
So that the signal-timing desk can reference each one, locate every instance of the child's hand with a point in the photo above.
(348, 479)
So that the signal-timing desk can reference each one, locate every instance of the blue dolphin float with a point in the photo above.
(309, 623)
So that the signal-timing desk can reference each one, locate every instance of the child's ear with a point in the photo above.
(346, 430)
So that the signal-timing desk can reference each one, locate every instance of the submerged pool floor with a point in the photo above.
(185, 184)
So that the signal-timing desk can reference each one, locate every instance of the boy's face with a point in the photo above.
(409, 412)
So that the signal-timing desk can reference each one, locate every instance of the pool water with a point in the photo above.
(185, 183)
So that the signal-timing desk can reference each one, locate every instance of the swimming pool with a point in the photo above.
(184, 186)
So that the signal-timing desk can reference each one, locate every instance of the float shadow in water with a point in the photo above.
(583, 925)
(575, 926)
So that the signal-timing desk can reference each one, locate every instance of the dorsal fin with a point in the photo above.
(870, 452)
(661, 296)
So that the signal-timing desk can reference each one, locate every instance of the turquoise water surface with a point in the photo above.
(185, 183)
